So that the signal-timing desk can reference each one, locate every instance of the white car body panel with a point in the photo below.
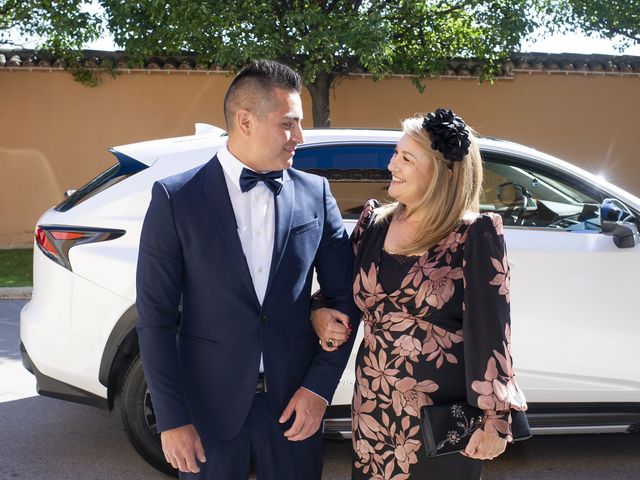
(63, 331)
(559, 308)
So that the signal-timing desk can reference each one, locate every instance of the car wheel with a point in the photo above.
(139, 418)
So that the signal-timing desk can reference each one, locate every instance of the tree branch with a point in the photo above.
(278, 8)
(450, 10)
(623, 33)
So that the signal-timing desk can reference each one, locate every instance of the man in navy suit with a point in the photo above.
(236, 241)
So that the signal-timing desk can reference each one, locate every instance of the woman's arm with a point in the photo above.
(331, 326)
(491, 382)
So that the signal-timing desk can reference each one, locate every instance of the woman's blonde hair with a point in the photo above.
(449, 195)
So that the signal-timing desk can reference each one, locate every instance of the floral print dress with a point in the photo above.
(442, 336)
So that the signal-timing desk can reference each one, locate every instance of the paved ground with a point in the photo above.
(46, 439)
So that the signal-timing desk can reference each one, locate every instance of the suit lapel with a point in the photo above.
(284, 214)
(220, 203)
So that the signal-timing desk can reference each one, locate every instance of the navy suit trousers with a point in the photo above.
(261, 440)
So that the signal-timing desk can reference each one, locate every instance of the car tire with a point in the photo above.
(139, 419)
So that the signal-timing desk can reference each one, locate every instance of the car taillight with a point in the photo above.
(55, 241)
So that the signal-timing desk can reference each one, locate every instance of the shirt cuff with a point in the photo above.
(319, 396)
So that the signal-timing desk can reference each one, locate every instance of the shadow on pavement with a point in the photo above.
(44, 438)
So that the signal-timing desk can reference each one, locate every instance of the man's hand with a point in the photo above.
(309, 409)
(330, 324)
(181, 447)
(484, 445)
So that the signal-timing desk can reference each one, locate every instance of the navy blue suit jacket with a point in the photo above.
(190, 251)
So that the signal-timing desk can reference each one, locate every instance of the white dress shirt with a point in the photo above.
(255, 215)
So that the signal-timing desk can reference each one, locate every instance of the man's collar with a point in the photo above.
(231, 165)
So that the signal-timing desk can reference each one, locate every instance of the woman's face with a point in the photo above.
(411, 170)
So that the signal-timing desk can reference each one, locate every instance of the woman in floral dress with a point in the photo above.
(432, 282)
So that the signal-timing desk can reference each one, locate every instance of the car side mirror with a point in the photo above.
(68, 193)
(614, 216)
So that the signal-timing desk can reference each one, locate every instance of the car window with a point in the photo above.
(125, 167)
(356, 172)
(533, 197)
(523, 195)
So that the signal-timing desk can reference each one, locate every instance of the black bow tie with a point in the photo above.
(249, 179)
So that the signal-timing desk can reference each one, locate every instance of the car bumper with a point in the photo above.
(50, 387)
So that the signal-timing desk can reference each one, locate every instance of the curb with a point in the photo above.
(15, 293)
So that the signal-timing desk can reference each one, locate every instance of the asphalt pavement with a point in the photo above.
(47, 439)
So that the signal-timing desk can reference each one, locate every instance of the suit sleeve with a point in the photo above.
(159, 287)
(334, 268)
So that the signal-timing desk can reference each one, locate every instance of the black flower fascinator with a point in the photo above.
(448, 133)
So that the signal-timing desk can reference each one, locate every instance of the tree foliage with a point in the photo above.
(616, 19)
(60, 27)
(324, 40)
(63, 26)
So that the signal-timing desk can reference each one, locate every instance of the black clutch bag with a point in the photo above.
(448, 428)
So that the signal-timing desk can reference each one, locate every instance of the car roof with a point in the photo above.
(208, 137)
(149, 151)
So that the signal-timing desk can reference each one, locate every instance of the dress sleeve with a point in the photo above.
(366, 216)
(491, 380)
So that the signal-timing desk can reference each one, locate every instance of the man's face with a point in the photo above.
(276, 132)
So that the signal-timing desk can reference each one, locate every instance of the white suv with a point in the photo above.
(572, 240)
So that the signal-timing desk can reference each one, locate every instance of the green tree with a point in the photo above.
(324, 40)
(63, 26)
(615, 19)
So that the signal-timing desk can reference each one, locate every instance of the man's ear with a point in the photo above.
(244, 121)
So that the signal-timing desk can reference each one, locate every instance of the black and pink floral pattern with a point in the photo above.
(443, 336)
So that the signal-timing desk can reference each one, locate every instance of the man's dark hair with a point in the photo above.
(253, 87)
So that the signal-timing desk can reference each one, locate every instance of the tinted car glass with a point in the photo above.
(529, 197)
(522, 195)
(125, 167)
(356, 172)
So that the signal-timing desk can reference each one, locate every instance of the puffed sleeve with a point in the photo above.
(366, 217)
(491, 380)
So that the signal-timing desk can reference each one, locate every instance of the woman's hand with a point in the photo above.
(331, 326)
(484, 445)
